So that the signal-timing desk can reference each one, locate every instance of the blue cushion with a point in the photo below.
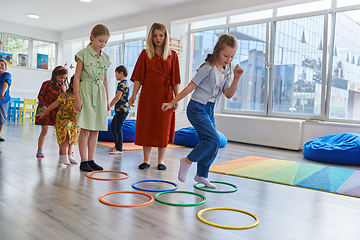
(340, 148)
(188, 137)
(128, 132)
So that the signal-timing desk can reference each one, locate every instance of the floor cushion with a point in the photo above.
(340, 148)
(128, 132)
(188, 137)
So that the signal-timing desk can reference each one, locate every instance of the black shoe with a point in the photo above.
(144, 165)
(161, 167)
(1, 139)
(94, 166)
(84, 166)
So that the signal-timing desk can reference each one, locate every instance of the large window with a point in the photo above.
(297, 65)
(250, 55)
(345, 76)
(46, 48)
(17, 47)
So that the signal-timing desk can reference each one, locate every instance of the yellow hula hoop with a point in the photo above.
(228, 227)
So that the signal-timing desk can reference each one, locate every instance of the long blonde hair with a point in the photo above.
(150, 49)
(99, 30)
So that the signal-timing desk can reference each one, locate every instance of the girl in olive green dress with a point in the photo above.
(91, 95)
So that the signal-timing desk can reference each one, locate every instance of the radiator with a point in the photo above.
(265, 131)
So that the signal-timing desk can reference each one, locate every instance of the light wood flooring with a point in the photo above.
(43, 199)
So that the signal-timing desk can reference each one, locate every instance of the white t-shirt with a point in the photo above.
(220, 78)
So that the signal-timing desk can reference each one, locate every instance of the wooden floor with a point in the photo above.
(43, 199)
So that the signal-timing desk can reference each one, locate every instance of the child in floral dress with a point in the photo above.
(67, 130)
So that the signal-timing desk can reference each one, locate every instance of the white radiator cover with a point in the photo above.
(266, 131)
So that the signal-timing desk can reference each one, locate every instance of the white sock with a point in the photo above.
(65, 159)
(72, 160)
(204, 181)
(183, 170)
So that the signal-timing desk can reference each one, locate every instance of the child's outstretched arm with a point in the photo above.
(116, 98)
(229, 92)
(189, 88)
(76, 85)
(47, 110)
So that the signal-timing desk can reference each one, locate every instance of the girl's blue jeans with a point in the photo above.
(116, 128)
(201, 116)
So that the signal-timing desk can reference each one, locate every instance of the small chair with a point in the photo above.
(13, 108)
(31, 110)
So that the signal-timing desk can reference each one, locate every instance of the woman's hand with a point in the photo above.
(176, 105)
(132, 101)
(108, 107)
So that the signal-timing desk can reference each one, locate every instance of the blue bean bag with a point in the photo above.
(128, 132)
(188, 137)
(340, 148)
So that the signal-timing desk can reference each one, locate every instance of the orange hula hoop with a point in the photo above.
(123, 205)
(107, 179)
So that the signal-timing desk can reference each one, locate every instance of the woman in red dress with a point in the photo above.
(157, 73)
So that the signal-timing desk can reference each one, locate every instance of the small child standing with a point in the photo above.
(67, 130)
(5, 82)
(211, 80)
(49, 92)
(122, 108)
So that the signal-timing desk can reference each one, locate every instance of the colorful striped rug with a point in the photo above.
(324, 178)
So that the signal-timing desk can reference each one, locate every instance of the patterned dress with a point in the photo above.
(66, 120)
(47, 95)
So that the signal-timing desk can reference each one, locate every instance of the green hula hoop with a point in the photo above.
(216, 191)
(180, 204)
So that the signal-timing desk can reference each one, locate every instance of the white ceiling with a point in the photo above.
(60, 15)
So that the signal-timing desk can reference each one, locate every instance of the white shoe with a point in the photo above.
(72, 160)
(65, 159)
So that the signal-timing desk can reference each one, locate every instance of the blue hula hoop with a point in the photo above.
(150, 190)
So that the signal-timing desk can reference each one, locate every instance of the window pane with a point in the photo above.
(16, 46)
(250, 55)
(115, 38)
(297, 73)
(251, 16)
(47, 48)
(137, 34)
(305, 7)
(345, 79)
(344, 3)
(208, 23)
(131, 52)
(202, 43)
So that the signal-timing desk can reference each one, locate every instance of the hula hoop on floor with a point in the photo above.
(107, 179)
(150, 190)
(129, 205)
(181, 204)
(217, 191)
(228, 227)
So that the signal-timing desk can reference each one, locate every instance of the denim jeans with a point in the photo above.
(116, 128)
(201, 116)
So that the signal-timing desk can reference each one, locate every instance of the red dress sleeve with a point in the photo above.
(175, 71)
(139, 69)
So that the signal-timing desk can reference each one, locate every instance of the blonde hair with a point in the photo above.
(99, 30)
(224, 40)
(150, 49)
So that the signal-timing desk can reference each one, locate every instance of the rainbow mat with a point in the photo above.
(330, 179)
(130, 146)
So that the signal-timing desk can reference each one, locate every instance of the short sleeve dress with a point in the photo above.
(66, 120)
(47, 95)
(92, 90)
(154, 127)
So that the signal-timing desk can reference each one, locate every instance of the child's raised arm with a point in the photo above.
(189, 88)
(229, 92)
(51, 107)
